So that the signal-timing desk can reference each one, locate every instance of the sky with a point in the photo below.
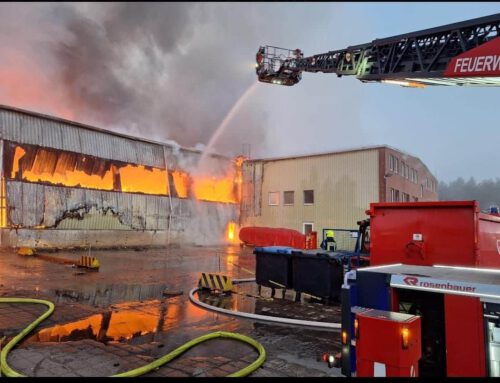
(174, 71)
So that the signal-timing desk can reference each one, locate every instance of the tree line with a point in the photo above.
(487, 192)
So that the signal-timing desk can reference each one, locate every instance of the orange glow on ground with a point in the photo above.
(124, 323)
(139, 179)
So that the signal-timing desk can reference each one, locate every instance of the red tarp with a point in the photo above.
(268, 236)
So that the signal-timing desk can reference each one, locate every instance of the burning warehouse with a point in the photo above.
(65, 184)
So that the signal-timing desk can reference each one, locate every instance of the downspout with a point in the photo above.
(169, 195)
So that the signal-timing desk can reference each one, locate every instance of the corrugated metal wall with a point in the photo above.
(344, 184)
(28, 129)
(33, 205)
(53, 133)
(83, 213)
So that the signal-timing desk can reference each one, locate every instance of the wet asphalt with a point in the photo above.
(136, 309)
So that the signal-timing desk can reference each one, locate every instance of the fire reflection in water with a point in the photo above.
(125, 322)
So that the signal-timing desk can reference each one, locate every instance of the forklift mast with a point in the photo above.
(464, 53)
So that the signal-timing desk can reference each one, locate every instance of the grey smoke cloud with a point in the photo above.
(171, 71)
(165, 71)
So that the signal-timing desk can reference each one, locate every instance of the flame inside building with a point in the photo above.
(64, 184)
(30, 163)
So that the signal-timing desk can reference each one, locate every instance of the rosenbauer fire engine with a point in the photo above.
(430, 299)
(429, 303)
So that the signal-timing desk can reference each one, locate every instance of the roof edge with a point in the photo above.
(102, 130)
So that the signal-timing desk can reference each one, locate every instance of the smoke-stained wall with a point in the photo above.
(43, 215)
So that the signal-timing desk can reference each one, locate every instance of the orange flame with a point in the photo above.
(67, 178)
(53, 168)
(213, 189)
(139, 179)
(181, 183)
(231, 232)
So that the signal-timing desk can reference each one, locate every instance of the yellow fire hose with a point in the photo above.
(8, 371)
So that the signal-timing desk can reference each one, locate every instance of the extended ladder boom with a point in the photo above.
(464, 53)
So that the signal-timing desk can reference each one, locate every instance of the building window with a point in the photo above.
(394, 195)
(308, 197)
(307, 227)
(405, 197)
(274, 198)
(407, 172)
(288, 197)
(421, 190)
(393, 163)
(413, 176)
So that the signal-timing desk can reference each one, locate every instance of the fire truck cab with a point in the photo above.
(457, 310)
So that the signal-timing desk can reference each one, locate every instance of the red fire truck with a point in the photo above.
(408, 320)
(429, 304)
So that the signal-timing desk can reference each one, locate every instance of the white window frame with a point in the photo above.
(304, 226)
(269, 198)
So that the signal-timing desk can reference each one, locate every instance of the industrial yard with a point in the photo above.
(180, 197)
(154, 315)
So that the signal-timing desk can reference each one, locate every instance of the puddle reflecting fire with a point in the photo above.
(121, 323)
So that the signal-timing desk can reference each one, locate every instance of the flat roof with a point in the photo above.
(341, 151)
(101, 130)
(471, 281)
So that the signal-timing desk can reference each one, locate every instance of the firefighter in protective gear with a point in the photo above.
(329, 243)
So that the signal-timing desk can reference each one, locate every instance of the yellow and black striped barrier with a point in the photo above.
(216, 301)
(215, 282)
(25, 251)
(88, 262)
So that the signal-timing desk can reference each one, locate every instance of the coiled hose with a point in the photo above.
(8, 371)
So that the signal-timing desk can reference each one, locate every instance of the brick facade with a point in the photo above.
(404, 174)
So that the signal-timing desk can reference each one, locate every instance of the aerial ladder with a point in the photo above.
(466, 53)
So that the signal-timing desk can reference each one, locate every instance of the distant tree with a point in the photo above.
(487, 192)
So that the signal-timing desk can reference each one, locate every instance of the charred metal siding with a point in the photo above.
(47, 216)
(82, 211)
(32, 205)
(36, 130)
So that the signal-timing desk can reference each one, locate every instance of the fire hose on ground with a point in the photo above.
(266, 318)
(8, 371)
